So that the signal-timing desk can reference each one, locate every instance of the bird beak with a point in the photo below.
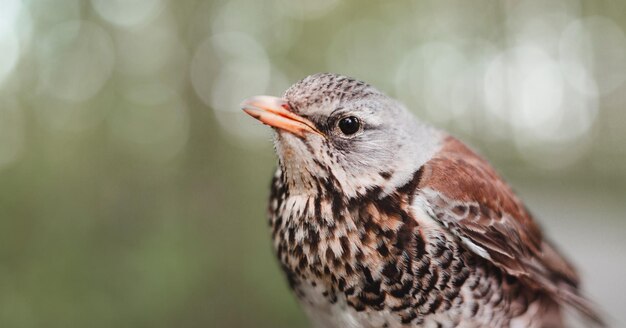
(276, 113)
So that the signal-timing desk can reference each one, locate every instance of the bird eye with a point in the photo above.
(349, 125)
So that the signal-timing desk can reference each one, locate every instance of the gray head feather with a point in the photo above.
(390, 145)
(327, 87)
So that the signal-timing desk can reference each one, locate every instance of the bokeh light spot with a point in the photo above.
(267, 25)
(428, 76)
(225, 70)
(593, 47)
(145, 50)
(10, 13)
(304, 9)
(75, 60)
(127, 13)
(9, 55)
(524, 88)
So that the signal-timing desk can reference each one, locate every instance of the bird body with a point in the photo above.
(379, 220)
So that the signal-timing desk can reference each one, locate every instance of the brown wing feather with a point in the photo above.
(474, 203)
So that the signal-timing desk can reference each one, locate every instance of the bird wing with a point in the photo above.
(465, 195)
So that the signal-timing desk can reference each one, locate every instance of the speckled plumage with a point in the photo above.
(402, 225)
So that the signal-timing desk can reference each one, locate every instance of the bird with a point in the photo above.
(379, 219)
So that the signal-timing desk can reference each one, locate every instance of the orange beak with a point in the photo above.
(276, 113)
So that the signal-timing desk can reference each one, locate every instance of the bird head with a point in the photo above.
(334, 129)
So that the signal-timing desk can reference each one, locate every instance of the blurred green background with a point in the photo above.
(133, 190)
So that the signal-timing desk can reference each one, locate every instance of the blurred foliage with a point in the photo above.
(132, 189)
